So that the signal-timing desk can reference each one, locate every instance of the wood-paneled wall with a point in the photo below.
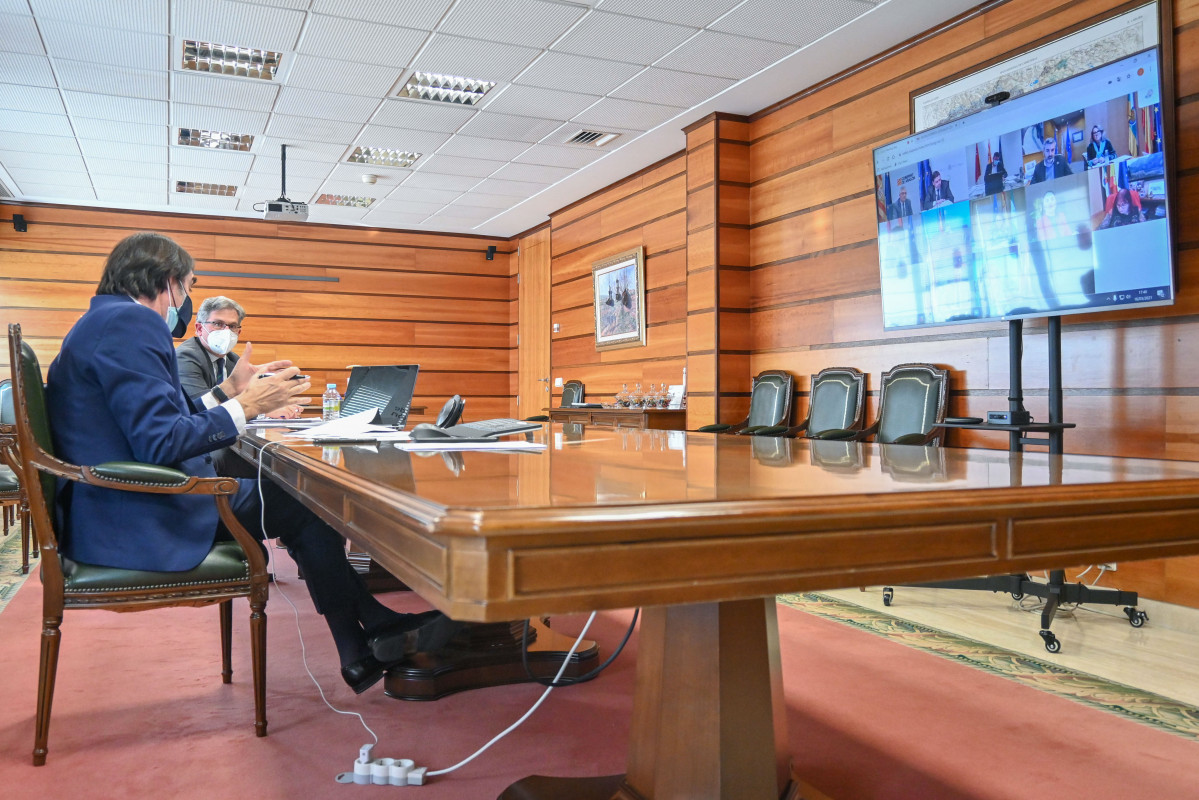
(1131, 380)
(366, 296)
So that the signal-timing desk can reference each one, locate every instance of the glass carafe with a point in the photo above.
(637, 397)
(622, 397)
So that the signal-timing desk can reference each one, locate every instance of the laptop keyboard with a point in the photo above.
(492, 427)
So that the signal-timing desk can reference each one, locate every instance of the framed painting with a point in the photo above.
(618, 287)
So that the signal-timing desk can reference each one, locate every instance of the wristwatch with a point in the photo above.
(219, 395)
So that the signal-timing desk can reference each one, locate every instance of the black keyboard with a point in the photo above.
(491, 428)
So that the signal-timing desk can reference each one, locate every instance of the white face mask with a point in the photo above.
(221, 342)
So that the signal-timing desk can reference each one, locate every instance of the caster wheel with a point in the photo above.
(1051, 642)
(1136, 619)
(1017, 596)
(888, 595)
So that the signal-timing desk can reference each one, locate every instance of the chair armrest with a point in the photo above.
(716, 428)
(835, 434)
(913, 438)
(771, 430)
(137, 472)
(752, 429)
(134, 476)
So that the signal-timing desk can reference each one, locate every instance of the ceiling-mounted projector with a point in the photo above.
(283, 208)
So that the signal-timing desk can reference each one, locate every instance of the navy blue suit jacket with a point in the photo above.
(113, 394)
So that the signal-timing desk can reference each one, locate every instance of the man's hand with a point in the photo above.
(244, 371)
(274, 392)
(287, 412)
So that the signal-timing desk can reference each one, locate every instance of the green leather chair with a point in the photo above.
(231, 569)
(572, 392)
(13, 504)
(769, 404)
(836, 402)
(911, 406)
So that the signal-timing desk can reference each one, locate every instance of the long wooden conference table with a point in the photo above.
(702, 531)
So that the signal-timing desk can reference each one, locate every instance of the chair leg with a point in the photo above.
(25, 537)
(258, 661)
(47, 670)
(226, 607)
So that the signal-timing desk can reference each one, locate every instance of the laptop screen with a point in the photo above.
(388, 388)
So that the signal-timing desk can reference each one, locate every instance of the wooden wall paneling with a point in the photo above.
(665, 234)
(652, 175)
(629, 213)
(534, 373)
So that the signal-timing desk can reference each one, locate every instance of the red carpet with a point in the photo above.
(140, 711)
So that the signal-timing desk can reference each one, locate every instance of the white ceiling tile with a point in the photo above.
(579, 74)
(472, 58)
(346, 77)
(423, 115)
(387, 177)
(234, 23)
(473, 147)
(268, 149)
(41, 159)
(482, 200)
(416, 194)
(35, 99)
(489, 125)
(401, 139)
(386, 220)
(85, 76)
(510, 188)
(295, 169)
(50, 177)
(118, 109)
(468, 214)
(98, 133)
(20, 7)
(623, 38)
(128, 168)
(81, 42)
(302, 129)
(268, 187)
(524, 22)
(133, 197)
(218, 118)
(75, 194)
(147, 16)
(405, 13)
(725, 55)
(455, 184)
(673, 88)
(369, 42)
(16, 143)
(392, 206)
(33, 70)
(108, 182)
(189, 200)
(533, 172)
(456, 165)
(189, 156)
(204, 175)
(222, 91)
(566, 132)
(324, 213)
(18, 34)
(696, 13)
(38, 124)
(353, 189)
(95, 150)
(560, 156)
(535, 101)
(325, 105)
(776, 19)
(626, 114)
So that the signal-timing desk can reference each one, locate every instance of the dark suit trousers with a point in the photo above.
(319, 550)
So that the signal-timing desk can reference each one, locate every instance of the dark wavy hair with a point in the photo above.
(143, 264)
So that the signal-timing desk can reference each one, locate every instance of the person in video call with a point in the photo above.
(994, 175)
(902, 207)
(1123, 212)
(938, 192)
(1100, 149)
(1053, 166)
(1051, 222)
(113, 394)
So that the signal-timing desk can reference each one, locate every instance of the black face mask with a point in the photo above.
(185, 318)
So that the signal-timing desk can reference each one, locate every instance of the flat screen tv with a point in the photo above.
(1053, 203)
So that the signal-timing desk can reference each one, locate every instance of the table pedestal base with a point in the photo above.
(488, 655)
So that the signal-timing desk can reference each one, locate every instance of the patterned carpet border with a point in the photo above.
(10, 565)
(1127, 701)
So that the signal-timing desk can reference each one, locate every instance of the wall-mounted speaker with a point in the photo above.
(491, 252)
(18, 222)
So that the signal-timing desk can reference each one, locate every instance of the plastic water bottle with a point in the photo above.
(330, 403)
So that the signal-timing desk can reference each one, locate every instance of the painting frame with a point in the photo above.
(618, 300)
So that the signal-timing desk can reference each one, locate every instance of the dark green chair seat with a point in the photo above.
(224, 563)
(8, 481)
(770, 399)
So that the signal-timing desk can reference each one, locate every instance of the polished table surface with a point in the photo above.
(702, 530)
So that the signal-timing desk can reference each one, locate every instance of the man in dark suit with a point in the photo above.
(113, 394)
(1053, 166)
(902, 207)
(938, 193)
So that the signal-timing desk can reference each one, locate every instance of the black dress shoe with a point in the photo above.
(363, 673)
(434, 634)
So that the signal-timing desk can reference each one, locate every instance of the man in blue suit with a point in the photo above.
(114, 394)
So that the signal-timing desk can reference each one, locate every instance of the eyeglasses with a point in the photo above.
(217, 325)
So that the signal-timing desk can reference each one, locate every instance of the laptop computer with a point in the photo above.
(388, 388)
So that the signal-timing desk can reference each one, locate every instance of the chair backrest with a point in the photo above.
(837, 398)
(572, 392)
(911, 400)
(770, 399)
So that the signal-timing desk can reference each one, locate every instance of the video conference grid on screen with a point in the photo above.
(1051, 203)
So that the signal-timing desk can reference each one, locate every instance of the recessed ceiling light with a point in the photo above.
(445, 88)
(227, 59)
(216, 140)
(383, 157)
(344, 200)
(191, 187)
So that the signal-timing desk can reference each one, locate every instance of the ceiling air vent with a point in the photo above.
(5, 191)
(590, 138)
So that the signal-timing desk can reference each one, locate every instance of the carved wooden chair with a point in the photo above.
(231, 569)
(769, 404)
(836, 402)
(14, 505)
(911, 407)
